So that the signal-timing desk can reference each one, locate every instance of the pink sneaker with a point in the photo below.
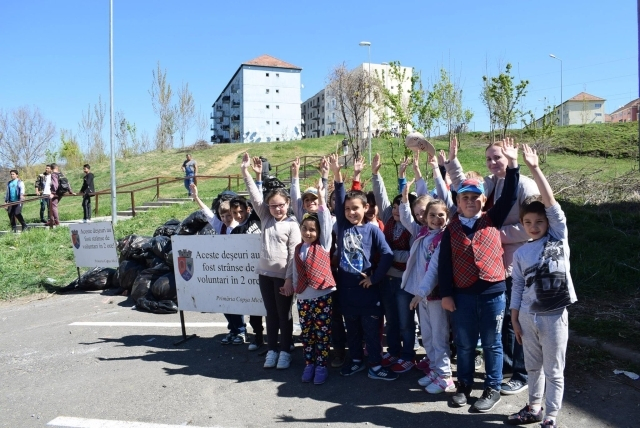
(424, 364)
(428, 378)
(441, 384)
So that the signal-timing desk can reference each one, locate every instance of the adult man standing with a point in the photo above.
(15, 193)
(43, 187)
(86, 190)
(60, 186)
(190, 168)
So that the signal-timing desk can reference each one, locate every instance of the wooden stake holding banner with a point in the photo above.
(217, 273)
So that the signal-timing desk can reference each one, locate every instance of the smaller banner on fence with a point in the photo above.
(217, 273)
(94, 244)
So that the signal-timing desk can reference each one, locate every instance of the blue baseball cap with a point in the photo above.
(471, 185)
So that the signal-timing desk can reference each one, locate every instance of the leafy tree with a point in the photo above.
(541, 131)
(448, 96)
(504, 98)
(70, 150)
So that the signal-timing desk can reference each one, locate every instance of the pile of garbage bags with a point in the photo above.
(146, 271)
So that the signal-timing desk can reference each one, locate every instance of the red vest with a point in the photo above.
(477, 258)
(315, 271)
(402, 242)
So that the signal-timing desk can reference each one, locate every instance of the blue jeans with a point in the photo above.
(367, 326)
(401, 328)
(236, 323)
(187, 183)
(479, 314)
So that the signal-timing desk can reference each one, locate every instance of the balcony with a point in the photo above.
(225, 127)
(220, 119)
(212, 116)
(212, 128)
(219, 108)
(235, 104)
(235, 118)
(226, 99)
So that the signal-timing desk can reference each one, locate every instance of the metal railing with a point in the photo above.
(310, 162)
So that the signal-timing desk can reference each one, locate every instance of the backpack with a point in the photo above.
(63, 185)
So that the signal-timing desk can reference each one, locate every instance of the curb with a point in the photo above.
(616, 351)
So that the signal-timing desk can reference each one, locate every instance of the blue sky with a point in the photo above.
(54, 55)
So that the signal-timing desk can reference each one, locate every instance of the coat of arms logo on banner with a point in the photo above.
(75, 239)
(185, 264)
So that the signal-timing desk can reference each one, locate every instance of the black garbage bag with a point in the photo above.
(129, 270)
(145, 278)
(133, 247)
(207, 230)
(168, 259)
(193, 223)
(160, 245)
(161, 307)
(95, 279)
(154, 261)
(168, 229)
(115, 282)
(164, 288)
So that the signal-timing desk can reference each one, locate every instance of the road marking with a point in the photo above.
(149, 324)
(69, 422)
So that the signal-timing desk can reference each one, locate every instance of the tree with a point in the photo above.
(541, 131)
(489, 103)
(24, 136)
(185, 111)
(428, 111)
(91, 126)
(121, 133)
(448, 96)
(202, 125)
(352, 90)
(505, 98)
(70, 150)
(161, 95)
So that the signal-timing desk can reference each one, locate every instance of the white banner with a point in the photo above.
(93, 244)
(217, 273)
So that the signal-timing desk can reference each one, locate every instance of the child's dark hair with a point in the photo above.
(437, 202)
(277, 192)
(398, 200)
(371, 198)
(356, 194)
(239, 201)
(314, 218)
(86, 165)
(533, 204)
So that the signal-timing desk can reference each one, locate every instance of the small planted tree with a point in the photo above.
(504, 99)
(448, 96)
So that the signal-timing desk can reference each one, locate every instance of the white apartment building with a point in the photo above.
(321, 114)
(261, 103)
(581, 109)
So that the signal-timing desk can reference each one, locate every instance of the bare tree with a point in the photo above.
(24, 136)
(145, 142)
(202, 125)
(185, 111)
(122, 135)
(351, 90)
(86, 128)
(97, 151)
(161, 95)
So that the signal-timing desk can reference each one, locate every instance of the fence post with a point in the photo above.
(96, 209)
(133, 204)
(228, 182)
(157, 188)
(304, 172)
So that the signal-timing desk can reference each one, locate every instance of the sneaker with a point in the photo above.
(549, 423)
(338, 358)
(284, 360)
(490, 397)
(271, 360)
(84, 220)
(228, 339)
(525, 416)
(478, 362)
(402, 366)
(25, 228)
(321, 375)
(463, 392)
(255, 345)
(308, 372)
(427, 379)
(388, 360)
(513, 387)
(239, 339)
(383, 374)
(441, 384)
(423, 365)
(352, 368)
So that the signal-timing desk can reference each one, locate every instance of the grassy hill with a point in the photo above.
(604, 238)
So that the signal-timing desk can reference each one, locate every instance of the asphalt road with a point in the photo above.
(51, 368)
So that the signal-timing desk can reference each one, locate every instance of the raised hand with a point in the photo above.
(453, 149)
(358, 165)
(324, 167)
(416, 166)
(194, 190)
(376, 163)
(530, 156)
(402, 169)
(405, 191)
(246, 161)
(295, 168)
(442, 157)
(509, 149)
(256, 166)
(334, 164)
(434, 162)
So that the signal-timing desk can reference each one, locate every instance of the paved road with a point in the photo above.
(50, 369)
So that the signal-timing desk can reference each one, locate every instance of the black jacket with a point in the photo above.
(87, 184)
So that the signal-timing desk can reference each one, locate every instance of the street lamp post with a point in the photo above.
(561, 104)
(368, 45)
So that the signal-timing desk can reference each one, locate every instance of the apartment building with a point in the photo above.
(626, 113)
(261, 103)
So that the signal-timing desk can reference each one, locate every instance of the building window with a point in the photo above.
(277, 123)
(268, 122)
(266, 74)
(267, 105)
(277, 91)
(277, 107)
(598, 105)
(277, 74)
(277, 139)
(598, 114)
(266, 91)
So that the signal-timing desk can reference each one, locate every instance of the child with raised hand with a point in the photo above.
(542, 291)
(223, 223)
(471, 276)
(280, 236)
(307, 202)
(314, 284)
(400, 355)
(358, 283)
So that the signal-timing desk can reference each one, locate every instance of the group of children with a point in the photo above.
(440, 253)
